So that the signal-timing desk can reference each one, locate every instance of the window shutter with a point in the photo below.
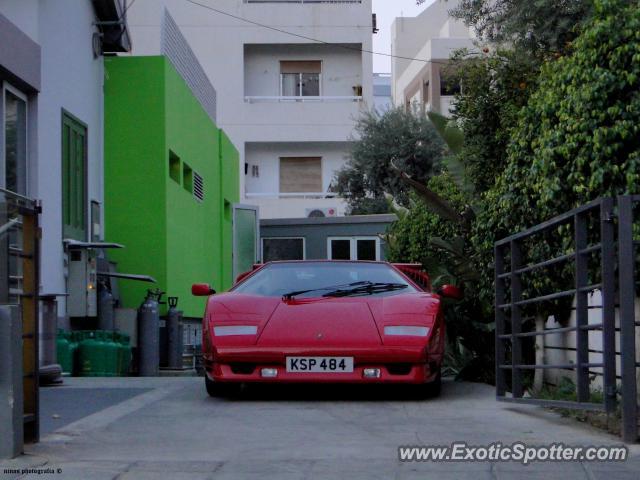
(306, 66)
(300, 174)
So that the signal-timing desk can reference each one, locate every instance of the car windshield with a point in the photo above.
(317, 279)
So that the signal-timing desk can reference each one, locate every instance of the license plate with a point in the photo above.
(320, 364)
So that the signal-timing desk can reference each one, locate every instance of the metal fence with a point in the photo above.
(628, 280)
(19, 285)
(573, 255)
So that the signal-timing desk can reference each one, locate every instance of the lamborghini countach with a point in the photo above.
(325, 321)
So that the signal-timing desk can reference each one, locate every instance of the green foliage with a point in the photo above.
(495, 88)
(539, 27)
(548, 125)
(578, 137)
(368, 206)
(453, 136)
(414, 232)
(422, 236)
(409, 140)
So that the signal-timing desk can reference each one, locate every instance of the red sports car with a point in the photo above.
(324, 321)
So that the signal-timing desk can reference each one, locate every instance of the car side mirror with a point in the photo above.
(202, 290)
(450, 291)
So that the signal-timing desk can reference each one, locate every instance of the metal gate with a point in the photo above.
(628, 276)
(576, 253)
(19, 281)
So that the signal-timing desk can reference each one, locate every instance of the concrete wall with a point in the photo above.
(341, 68)
(24, 14)
(267, 157)
(561, 348)
(72, 81)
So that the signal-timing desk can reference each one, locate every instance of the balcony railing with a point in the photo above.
(292, 195)
(308, 99)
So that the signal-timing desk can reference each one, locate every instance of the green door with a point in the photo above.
(74, 178)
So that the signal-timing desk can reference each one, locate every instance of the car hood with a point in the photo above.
(328, 321)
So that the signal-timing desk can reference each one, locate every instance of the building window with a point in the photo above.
(353, 248)
(300, 175)
(278, 249)
(187, 178)
(74, 177)
(198, 187)
(227, 210)
(300, 78)
(14, 127)
(174, 167)
(449, 84)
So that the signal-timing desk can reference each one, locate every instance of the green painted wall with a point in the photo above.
(230, 188)
(150, 114)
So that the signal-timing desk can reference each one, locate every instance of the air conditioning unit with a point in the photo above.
(321, 212)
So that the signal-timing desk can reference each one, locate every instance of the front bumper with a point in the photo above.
(396, 364)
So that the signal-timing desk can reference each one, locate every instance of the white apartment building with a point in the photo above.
(382, 92)
(288, 102)
(429, 39)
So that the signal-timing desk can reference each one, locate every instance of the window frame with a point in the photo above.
(8, 87)
(354, 246)
(304, 245)
(85, 205)
(299, 74)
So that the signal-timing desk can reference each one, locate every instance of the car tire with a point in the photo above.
(218, 389)
(433, 388)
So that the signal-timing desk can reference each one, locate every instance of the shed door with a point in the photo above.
(246, 235)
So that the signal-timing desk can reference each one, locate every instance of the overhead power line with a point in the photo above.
(305, 37)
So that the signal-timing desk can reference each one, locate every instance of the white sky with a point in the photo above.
(387, 10)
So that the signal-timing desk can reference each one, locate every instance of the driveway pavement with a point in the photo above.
(170, 429)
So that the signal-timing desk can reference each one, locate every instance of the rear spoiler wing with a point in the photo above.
(416, 273)
(244, 275)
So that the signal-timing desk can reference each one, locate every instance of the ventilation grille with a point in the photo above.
(198, 187)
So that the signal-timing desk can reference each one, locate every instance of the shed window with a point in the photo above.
(277, 249)
(300, 175)
(353, 248)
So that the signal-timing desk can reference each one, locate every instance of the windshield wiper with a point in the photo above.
(369, 288)
(333, 288)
